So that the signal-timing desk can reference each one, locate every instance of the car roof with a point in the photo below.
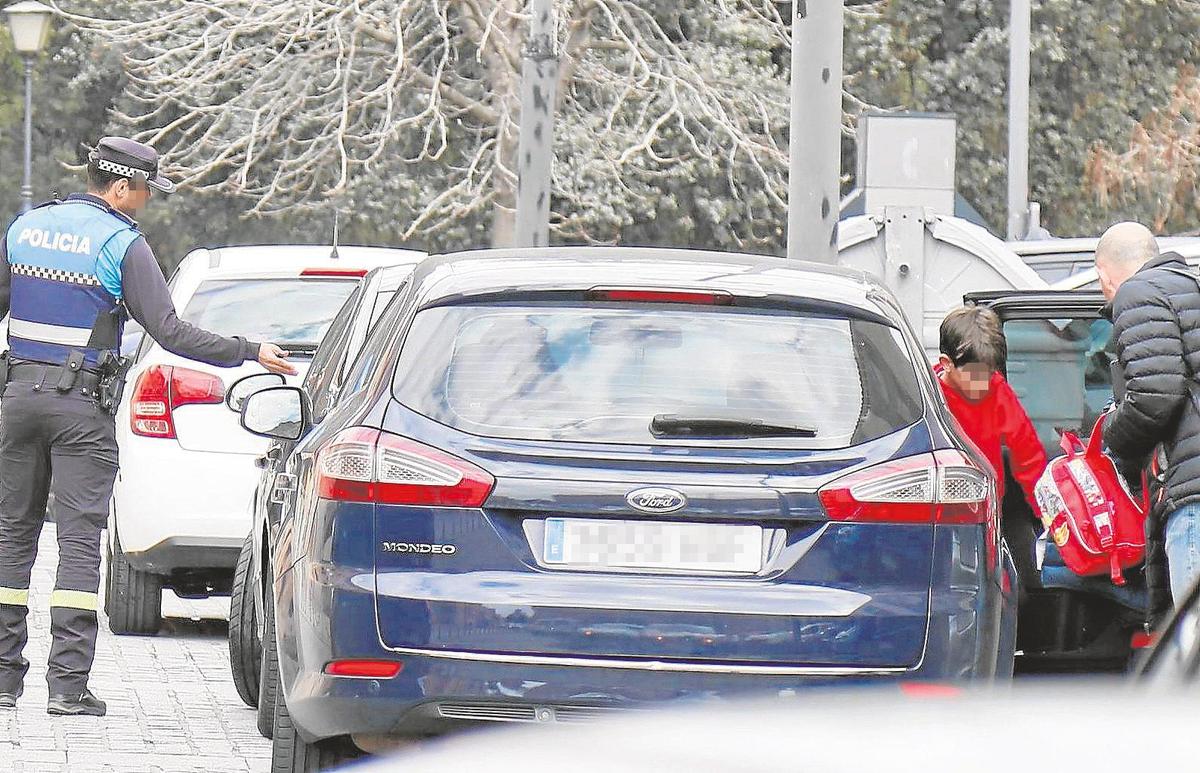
(390, 277)
(1029, 247)
(1089, 278)
(544, 269)
(1026, 247)
(1085, 246)
(272, 260)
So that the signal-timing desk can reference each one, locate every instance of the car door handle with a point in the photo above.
(272, 455)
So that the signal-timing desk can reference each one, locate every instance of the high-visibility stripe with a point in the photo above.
(17, 597)
(50, 334)
(74, 599)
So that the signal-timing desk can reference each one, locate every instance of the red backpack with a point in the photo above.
(1089, 511)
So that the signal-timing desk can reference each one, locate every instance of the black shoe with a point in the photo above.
(85, 705)
(8, 700)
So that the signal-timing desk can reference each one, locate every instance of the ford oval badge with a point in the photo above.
(656, 500)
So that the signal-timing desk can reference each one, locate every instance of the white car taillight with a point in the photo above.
(160, 389)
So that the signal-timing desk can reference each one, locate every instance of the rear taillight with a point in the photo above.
(941, 487)
(930, 690)
(374, 669)
(366, 465)
(160, 389)
(1142, 640)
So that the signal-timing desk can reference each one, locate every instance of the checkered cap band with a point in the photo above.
(56, 275)
(121, 169)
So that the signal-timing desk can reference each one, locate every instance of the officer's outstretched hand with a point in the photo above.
(274, 359)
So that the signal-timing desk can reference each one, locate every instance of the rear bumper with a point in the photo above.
(176, 553)
(441, 691)
(182, 509)
(329, 605)
(435, 695)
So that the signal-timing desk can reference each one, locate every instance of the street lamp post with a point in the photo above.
(539, 84)
(1018, 120)
(29, 23)
(815, 147)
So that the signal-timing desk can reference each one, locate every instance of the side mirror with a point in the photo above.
(279, 412)
(248, 385)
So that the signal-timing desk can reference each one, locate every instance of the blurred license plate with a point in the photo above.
(709, 547)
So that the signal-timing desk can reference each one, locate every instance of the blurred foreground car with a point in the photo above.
(178, 514)
(1097, 726)
(584, 480)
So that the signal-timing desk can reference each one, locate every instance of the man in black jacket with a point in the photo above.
(1155, 307)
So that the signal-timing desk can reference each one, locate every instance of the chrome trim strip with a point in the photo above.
(650, 665)
(576, 590)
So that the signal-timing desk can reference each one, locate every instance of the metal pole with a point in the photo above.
(815, 146)
(535, 153)
(1018, 119)
(27, 187)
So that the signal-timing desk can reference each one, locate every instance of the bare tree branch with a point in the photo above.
(294, 103)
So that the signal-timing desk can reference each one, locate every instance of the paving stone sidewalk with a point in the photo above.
(171, 705)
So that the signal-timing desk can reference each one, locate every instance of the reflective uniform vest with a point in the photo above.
(66, 260)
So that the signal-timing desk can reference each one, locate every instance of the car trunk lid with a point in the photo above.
(804, 591)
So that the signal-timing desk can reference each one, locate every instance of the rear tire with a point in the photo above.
(134, 598)
(292, 754)
(245, 649)
(268, 685)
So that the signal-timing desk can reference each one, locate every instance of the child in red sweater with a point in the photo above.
(973, 350)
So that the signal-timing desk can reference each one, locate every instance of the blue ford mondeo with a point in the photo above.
(560, 482)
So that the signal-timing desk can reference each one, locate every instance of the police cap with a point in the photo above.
(128, 158)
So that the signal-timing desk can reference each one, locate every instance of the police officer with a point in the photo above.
(69, 270)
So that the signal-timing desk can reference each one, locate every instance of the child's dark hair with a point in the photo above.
(971, 334)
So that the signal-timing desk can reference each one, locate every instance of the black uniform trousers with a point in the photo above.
(65, 444)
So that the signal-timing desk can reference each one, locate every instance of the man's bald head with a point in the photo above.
(1129, 244)
(1121, 251)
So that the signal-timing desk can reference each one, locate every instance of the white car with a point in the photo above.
(1069, 264)
(180, 506)
(1088, 279)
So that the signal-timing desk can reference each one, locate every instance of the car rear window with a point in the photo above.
(587, 373)
(294, 312)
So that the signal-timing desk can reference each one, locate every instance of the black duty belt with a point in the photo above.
(47, 376)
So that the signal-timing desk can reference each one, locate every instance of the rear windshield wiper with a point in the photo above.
(724, 426)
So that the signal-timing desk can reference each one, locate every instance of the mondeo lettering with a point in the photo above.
(418, 547)
(58, 241)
